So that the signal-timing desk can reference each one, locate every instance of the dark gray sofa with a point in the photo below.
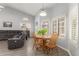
(15, 38)
(17, 41)
(6, 34)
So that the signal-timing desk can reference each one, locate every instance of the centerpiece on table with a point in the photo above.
(42, 31)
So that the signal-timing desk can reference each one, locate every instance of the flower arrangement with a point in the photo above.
(42, 31)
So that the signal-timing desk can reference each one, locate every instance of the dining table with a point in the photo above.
(45, 38)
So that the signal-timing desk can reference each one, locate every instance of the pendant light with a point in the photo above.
(43, 11)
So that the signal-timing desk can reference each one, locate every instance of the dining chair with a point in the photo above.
(51, 43)
(34, 40)
(38, 42)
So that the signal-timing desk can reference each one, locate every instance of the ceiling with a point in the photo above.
(30, 8)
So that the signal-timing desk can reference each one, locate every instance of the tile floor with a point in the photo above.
(27, 50)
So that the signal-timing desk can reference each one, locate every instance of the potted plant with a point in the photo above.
(42, 31)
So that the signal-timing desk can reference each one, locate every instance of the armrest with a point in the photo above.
(13, 39)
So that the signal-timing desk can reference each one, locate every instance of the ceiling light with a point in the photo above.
(43, 13)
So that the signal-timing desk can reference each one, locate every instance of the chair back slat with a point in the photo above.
(54, 38)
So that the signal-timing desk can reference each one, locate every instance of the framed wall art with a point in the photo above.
(7, 24)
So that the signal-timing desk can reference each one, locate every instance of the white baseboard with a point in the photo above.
(65, 49)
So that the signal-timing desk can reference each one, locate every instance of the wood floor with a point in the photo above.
(28, 50)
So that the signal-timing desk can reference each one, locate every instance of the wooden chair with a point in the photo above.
(52, 42)
(34, 40)
(38, 42)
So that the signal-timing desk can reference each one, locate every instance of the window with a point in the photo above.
(61, 25)
(58, 25)
(55, 26)
(74, 33)
(45, 24)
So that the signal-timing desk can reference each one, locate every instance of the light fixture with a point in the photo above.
(43, 11)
